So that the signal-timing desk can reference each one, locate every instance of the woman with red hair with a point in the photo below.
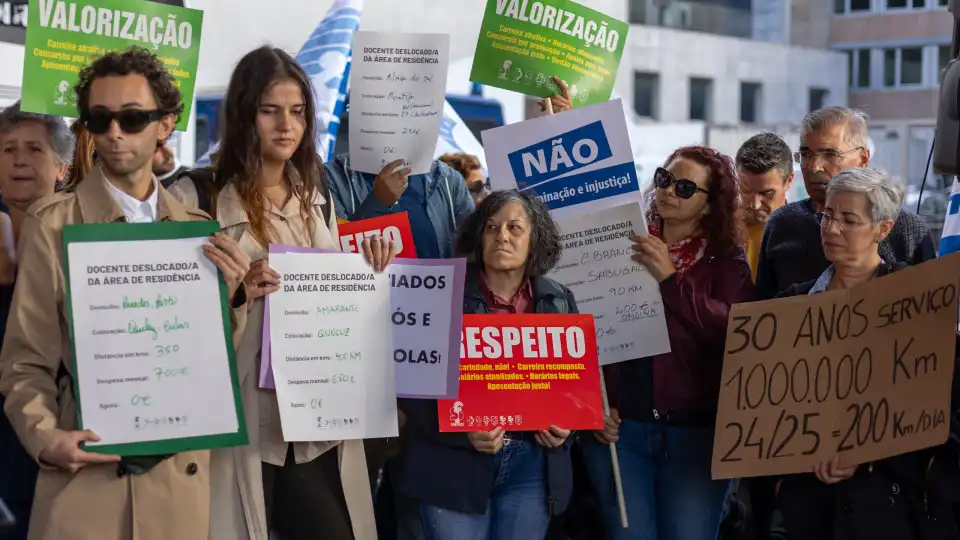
(663, 408)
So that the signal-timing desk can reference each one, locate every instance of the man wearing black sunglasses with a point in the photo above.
(129, 103)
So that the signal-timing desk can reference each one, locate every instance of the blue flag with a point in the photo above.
(950, 241)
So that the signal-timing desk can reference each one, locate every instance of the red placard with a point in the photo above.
(394, 227)
(525, 373)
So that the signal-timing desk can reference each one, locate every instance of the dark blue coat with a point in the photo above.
(443, 469)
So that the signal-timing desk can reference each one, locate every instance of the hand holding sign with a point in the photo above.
(558, 103)
(487, 442)
(232, 262)
(261, 280)
(390, 184)
(653, 253)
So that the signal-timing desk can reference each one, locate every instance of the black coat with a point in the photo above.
(443, 469)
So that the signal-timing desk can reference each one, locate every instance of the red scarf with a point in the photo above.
(685, 253)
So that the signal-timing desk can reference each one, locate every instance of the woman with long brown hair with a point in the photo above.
(270, 188)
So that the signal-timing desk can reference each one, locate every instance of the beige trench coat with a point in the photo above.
(172, 501)
(237, 506)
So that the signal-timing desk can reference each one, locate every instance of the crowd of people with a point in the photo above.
(720, 232)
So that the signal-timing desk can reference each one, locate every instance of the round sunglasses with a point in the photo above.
(684, 188)
(97, 121)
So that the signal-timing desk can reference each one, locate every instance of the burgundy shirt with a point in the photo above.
(521, 303)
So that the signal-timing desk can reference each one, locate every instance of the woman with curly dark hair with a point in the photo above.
(490, 485)
(663, 408)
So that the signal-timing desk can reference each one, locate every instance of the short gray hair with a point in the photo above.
(59, 135)
(884, 195)
(854, 121)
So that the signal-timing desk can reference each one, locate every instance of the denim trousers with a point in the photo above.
(666, 482)
(517, 510)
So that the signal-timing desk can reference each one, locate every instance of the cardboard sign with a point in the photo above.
(865, 373)
(580, 158)
(522, 46)
(395, 227)
(526, 373)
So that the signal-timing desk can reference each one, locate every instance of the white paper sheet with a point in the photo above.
(621, 294)
(331, 346)
(397, 94)
(152, 358)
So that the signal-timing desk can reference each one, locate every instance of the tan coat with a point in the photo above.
(239, 514)
(171, 501)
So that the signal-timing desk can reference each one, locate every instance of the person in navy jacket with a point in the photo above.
(494, 485)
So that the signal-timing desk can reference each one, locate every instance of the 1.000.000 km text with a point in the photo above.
(830, 379)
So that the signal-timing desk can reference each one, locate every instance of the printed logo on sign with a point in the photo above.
(456, 414)
(559, 155)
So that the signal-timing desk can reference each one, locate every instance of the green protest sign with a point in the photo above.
(63, 37)
(524, 44)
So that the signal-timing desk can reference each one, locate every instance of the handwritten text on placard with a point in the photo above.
(864, 373)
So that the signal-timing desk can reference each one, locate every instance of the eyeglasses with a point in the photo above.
(824, 219)
(831, 156)
(97, 121)
(684, 188)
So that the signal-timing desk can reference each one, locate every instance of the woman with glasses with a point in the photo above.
(663, 408)
(270, 187)
(907, 497)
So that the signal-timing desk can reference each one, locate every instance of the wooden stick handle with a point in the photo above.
(614, 457)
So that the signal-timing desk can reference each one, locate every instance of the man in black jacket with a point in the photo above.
(832, 139)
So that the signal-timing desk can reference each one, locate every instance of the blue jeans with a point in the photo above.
(518, 505)
(667, 498)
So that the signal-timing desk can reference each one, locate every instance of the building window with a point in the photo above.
(852, 6)
(817, 99)
(911, 65)
(701, 96)
(905, 4)
(859, 68)
(896, 4)
(646, 94)
(944, 55)
(902, 67)
(750, 95)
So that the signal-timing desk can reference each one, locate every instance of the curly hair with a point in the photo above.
(240, 161)
(135, 60)
(723, 224)
(462, 163)
(545, 244)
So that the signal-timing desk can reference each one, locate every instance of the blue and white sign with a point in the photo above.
(579, 158)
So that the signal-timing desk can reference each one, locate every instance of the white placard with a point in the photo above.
(397, 94)
(620, 293)
(151, 352)
(576, 161)
(331, 348)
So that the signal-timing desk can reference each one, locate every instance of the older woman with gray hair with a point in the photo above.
(492, 485)
(906, 497)
(35, 153)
